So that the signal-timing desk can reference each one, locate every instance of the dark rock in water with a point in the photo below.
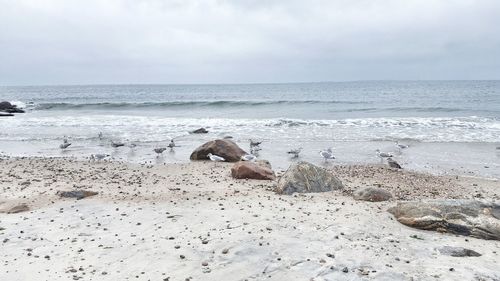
(6, 114)
(16, 209)
(458, 252)
(221, 147)
(251, 170)
(372, 194)
(8, 107)
(200, 131)
(464, 217)
(78, 194)
(304, 177)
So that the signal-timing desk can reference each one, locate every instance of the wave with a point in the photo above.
(167, 104)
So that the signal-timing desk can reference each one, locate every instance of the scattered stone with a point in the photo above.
(458, 252)
(78, 194)
(225, 251)
(304, 177)
(372, 194)
(220, 147)
(251, 170)
(474, 218)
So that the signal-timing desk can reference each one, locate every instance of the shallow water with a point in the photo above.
(451, 126)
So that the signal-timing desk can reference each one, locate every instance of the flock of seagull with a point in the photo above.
(326, 154)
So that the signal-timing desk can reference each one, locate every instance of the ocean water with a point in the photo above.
(451, 126)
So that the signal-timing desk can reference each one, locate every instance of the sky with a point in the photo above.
(248, 41)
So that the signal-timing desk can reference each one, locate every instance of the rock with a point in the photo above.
(6, 114)
(474, 218)
(458, 252)
(19, 208)
(372, 194)
(78, 194)
(264, 163)
(305, 177)
(251, 170)
(200, 131)
(8, 107)
(221, 147)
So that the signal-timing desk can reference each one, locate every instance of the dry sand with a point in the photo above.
(194, 222)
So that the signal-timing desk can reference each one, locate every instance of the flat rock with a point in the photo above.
(304, 177)
(372, 194)
(78, 194)
(252, 170)
(200, 131)
(221, 147)
(479, 219)
(19, 208)
(458, 252)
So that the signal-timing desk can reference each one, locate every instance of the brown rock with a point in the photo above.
(221, 147)
(305, 177)
(78, 194)
(372, 194)
(474, 218)
(251, 170)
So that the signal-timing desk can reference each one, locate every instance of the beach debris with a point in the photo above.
(78, 194)
(248, 157)
(458, 252)
(372, 194)
(117, 144)
(304, 177)
(215, 158)
(200, 131)
(252, 170)
(327, 154)
(19, 208)
(295, 152)
(393, 164)
(479, 219)
(224, 148)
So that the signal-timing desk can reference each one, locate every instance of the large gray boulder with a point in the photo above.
(8, 107)
(221, 147)
(304, 177)
(474, 218)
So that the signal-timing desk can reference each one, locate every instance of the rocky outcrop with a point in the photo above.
(78, 194)
(200, 131)
(221, 147)
(304, 177)
(8, 107)
(372, 194)
(464, 217)
(252, 170)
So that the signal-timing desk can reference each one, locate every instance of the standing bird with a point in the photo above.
(382, 155)
(327, 154)
(171, 145)
(117, 144)
(393, 164)
(295, 152)
(401, 146)
(159, 150)
(215, 158)
(254, 144)
(99, 135)
(248, 157)
(98, 157)
(65, 144)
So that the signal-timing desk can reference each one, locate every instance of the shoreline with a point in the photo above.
(193, 221)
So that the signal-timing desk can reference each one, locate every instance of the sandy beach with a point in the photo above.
(193, 221)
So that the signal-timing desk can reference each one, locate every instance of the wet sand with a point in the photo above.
(193, 221)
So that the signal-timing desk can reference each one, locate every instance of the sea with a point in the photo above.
(451, 127)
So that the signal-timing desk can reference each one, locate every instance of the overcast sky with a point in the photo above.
(182, 41)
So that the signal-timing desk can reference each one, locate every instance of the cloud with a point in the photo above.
(215, 41)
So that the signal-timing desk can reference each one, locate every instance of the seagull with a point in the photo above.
(117, 144)
(295, 152)
(383, 154)
(65, 144)
(171, 145)
(215, 158)
(254, 143)
(401, 146)
(393, 164)
(98, 157)
(327, 154)
(248, 157)
(159, 150)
